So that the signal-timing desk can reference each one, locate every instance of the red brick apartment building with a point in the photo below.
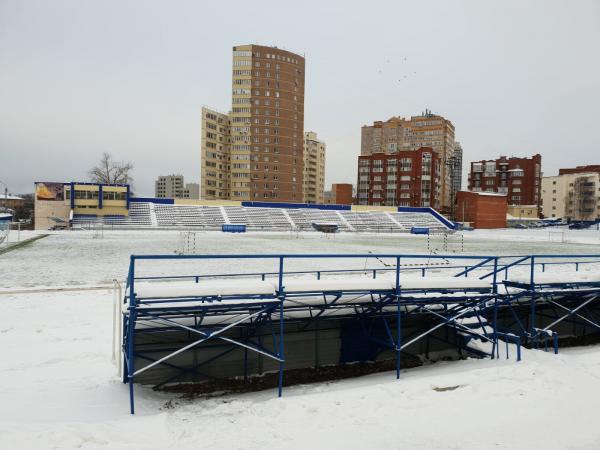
(340, 194)
(519, 178)
(481, 209)
(580, 169)
(404, 178)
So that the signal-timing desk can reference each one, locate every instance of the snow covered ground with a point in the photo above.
(58, 390)
(81, 258)
(58, 387)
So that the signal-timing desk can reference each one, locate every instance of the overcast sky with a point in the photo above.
(78, 78)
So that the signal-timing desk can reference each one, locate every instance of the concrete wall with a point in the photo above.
(43, 210)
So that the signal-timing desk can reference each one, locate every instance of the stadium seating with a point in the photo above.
(168, 216)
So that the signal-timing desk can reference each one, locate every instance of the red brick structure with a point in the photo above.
(403, 178)
(519, 178)
(340, 194)
(595, 168)
(481, 209)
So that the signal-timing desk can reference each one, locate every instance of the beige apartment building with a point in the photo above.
(574, 196)
(255, 152)
(314, 168)
(215, 155)
(427, 130)
(173, 186)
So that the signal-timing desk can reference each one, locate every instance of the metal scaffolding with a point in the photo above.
(470, 297)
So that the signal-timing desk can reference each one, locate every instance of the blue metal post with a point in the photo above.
(130, 334)
(555, 342)
(281, 328)
(398, 319)
(100, 194)
(518, 348)
(72, 195)
(532, 288)
(495, 291)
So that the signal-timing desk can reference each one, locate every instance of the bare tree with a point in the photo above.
(109, 171)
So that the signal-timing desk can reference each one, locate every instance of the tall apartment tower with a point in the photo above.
(314, 168)
(427, 130)
(519, 178)
(267, 124)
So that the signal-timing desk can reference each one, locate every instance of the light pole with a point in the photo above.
(5, 194)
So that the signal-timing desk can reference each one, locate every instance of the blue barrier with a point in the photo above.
(419, 230)
(233, 228)
(158, 201)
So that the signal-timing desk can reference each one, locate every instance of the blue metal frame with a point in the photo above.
(448, 306)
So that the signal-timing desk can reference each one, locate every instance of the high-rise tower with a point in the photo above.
(267, 124)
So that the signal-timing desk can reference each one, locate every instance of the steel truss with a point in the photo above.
(227, 323)
(544, 304)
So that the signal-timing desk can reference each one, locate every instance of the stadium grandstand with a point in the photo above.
(151, 213)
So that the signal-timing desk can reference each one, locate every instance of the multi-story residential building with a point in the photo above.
(263, 134)
(519, 178)
(572, 195)
(340, 194)
(428, 130)
(172, 186)
(314, 168)
(191, 190)
(215, 155)
(580, 169)
(457, 155)
(168, 186)
(267, 124)
(401, 178)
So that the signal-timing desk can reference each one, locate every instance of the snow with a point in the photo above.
(204, 288)
(79, 258)
(582, 276)
(59, 389)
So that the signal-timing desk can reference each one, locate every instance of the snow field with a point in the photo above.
(58, 390)
(58, 385)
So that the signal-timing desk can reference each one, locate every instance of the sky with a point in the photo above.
(78, 78)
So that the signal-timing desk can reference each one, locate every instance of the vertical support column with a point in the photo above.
(100, 195)
(398, 318)
(131, 334)
(495, 291)
(532, 289)
(281, 328)
(72, 195)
